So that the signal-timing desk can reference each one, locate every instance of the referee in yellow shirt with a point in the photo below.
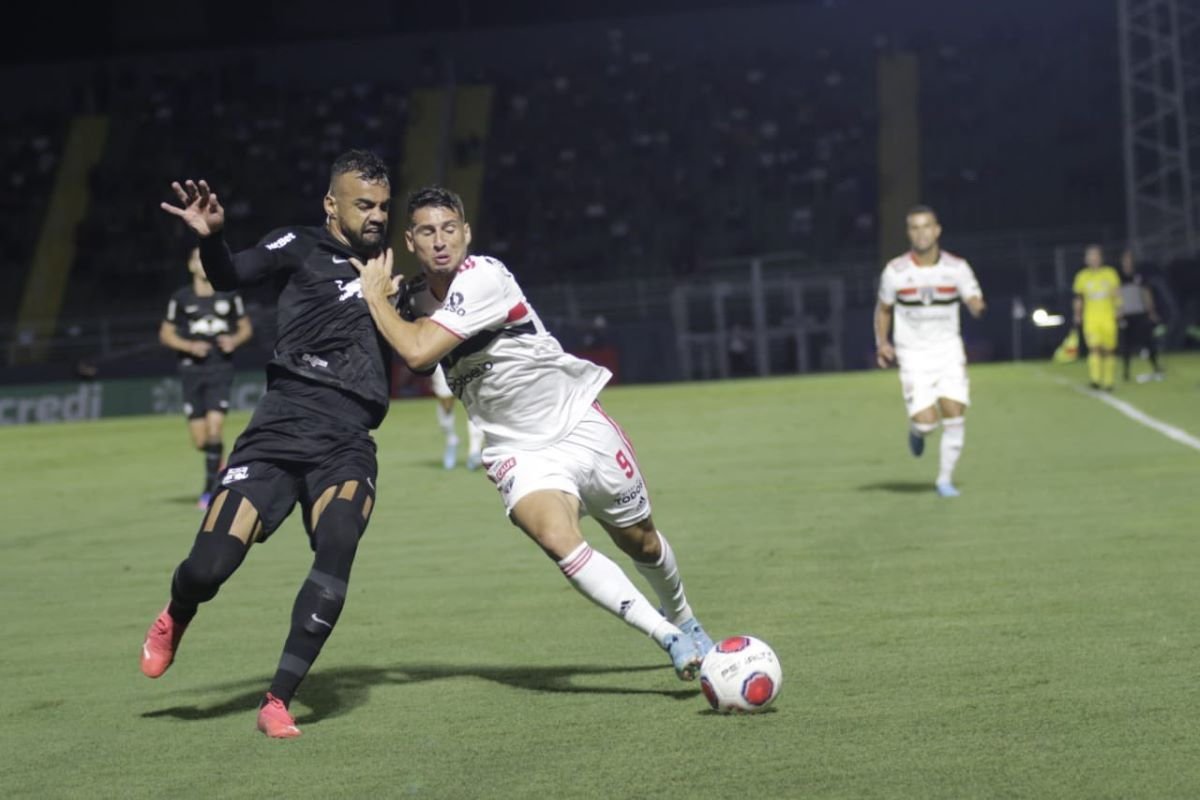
(1097, 298)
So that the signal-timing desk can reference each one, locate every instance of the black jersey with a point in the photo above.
(325, 332)
(204, 319)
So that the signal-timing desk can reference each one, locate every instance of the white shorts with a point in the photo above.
(594, 462)
(437, 382)
(923, 381)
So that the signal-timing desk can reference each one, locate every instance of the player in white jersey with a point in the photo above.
(548, 445)
(445, 418)
(920, 292)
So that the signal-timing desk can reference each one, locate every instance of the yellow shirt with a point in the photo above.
(1100, 290)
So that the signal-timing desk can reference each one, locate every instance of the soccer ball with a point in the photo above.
(741, 674)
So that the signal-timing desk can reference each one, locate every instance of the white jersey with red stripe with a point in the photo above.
(925, 301)
(517, 383)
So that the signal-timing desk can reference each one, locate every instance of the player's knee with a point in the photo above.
(924, 428)
(214, 557)
(340, 526)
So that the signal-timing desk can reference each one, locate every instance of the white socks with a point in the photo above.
(600, 580)
(445, 418)
(663, 576)
(474, 437)
(953, 433)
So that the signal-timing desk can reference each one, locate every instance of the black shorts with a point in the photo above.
(1137, 332)
(205, 391)
(294, 449)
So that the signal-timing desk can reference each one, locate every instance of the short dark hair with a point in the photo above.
(363, 163)
(435, 197)
(920, 208)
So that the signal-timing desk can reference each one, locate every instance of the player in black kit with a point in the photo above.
(309, 440)
(204, 327)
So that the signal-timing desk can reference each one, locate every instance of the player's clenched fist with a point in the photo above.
(885, 355)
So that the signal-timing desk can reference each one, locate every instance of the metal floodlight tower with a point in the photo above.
(1160, 82)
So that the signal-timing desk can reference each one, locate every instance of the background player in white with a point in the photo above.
(445, 418)
(921, 290)
(548, 446)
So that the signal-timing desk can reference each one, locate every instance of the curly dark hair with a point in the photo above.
(363, 163)
(436, 197)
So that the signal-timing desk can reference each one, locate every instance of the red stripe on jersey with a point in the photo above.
(906, 291)
(457, 335)
(466, 265)
(572, 567)
(946, 288)
(516, 312)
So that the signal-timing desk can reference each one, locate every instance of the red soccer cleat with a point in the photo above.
(275, 720)
(158, 651)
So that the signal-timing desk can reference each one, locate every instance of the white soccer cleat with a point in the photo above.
(685, 656)
(946, 489)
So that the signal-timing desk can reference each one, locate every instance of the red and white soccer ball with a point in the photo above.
(741, 675)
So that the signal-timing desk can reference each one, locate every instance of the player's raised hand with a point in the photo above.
(376, 275)
(200, 211)
(885, 355)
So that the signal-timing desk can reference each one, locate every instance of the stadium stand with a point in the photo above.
(613, 150)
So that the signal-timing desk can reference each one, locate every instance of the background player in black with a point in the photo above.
(309, 440)
(1138, 318)
(204, 327)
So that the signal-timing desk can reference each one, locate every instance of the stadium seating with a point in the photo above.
(265, 149)
(29, 150)
(613, 152)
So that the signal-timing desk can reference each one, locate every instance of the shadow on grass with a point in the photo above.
(337, 691)
(711, 712)
(898, 487)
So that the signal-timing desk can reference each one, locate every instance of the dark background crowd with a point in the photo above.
(652, 144)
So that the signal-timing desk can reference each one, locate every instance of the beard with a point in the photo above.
(367, 242)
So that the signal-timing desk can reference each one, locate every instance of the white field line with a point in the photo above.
(1137, 415)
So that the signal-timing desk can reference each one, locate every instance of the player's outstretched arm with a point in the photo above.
(421, 343)
(976, 306)
(202, 212)
(199, 207)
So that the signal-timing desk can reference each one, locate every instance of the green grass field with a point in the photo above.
(1037, 637)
